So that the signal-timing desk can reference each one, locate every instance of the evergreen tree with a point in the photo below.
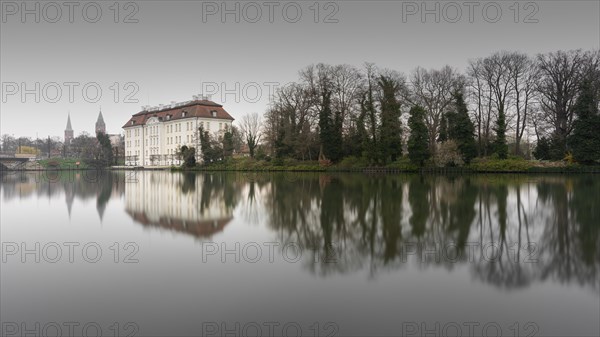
(390, 146)
(211, 149)
(368, 121)
(325, 126)
(188, 155)
(585, 140)
(336, 147)
(462, 130)
(106, 153)
(557, 147)
(500, 146)
(418, 147)
(228, 144)
(374, 137)
(542, 149)
(443, 129)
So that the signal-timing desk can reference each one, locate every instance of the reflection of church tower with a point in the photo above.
(100, 207)
(68, 131)
(70, 197)
(100, 126)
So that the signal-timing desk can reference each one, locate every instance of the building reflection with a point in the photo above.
(198, 205)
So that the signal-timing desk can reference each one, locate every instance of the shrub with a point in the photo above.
(325, 162)
(448, 154)
(513, 164)
(352, 162)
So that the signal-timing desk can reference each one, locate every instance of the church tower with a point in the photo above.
(68, 131)
(100, 126)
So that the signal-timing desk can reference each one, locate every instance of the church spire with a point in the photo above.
(69, 128)
(100, 126)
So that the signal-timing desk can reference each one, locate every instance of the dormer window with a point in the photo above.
(132, 122)
(168, 117)
(183, 114)
(213, 113)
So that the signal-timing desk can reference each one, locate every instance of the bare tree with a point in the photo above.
(434, 89)
(558, 85)
(482, 97)
(347, 85)
(523, 74)
(251, 130)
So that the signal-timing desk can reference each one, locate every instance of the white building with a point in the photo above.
(154, 135)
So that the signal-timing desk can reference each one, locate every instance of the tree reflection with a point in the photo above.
(510, 230)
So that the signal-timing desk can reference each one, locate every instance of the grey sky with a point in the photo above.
(170, 54)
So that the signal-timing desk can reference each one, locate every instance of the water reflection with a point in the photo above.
(511, 231)
(198, 205)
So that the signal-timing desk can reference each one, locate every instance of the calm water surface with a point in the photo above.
(173, 254)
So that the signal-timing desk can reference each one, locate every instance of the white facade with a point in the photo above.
(157, 142)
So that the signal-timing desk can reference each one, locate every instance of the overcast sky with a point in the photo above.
(171, 50)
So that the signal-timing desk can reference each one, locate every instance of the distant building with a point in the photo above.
(68, 131)
(154, 135)
(100, 126)
(116, 140)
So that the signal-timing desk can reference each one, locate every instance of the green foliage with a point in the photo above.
(188, 155)
(515, 164)
(63, 163)
(462, 130)
(228, 144)
(443, 129)
(330, 129)
(557, 147)
(390, 145)
(500, 146)
(418, 141)
(353, 162)
(542, 149)
(585, 139)
(210, 147)
(105, 154)
(403, 164)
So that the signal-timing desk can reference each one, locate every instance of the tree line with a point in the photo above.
(97, 151)
(440, 116)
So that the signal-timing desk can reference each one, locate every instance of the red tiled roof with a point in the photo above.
(199, 108)
(199, 229)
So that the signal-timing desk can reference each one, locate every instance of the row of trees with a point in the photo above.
(500, 104)
(97, 150)
(43, 146)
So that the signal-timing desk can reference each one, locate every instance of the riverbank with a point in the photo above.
(513, 165)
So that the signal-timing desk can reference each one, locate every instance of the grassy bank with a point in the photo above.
(512, 165)
(62, 163)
